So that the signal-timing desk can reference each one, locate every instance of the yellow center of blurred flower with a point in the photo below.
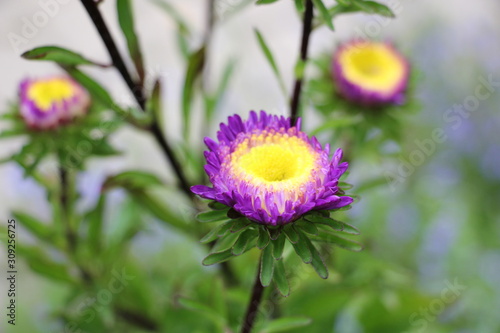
(277, 159)
(47, 92)
(374, 66)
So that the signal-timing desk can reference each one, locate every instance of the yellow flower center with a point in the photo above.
(277, 159)
(374, 66)
(47, 92)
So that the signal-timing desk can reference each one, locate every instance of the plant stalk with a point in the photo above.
(136, 89)
(306, 33)
(253, 305)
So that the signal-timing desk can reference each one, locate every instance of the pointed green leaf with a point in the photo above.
(308, 227)
(270, 58)
(240, 224)
(160, 210)
(132, 180)
(266, 267)
(214, 233)
(301, 247)
(58, 54)
(286, 324)
(202, 309)
(194, 68)
(325, 15)
(291, 234)
(278, 246)
(338, 241)
(264, 238)
(299, 5)
(216, 258)
(39, 229)
(95, 220)
(317, 262)
(154, 103)
(126, 21)
(244, 241)
(372, 7)
(317, 218)
(212, 216)
(225, 243)
(280, 278)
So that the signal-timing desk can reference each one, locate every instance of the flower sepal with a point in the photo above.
(235, 236)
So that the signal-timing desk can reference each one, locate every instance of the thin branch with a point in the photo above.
(253, 305)
(136, 89)
(102, 28)
(306, 33)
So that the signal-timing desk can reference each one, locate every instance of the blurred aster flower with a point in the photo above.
(49, 102)
(270, 171)
(370, 73)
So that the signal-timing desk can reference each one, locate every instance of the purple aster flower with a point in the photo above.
(370, 73)
(270, 171)
(49, 102)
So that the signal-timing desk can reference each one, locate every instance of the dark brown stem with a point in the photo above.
(253, 305)
(135, 88)
(306, 33)
(95, 15)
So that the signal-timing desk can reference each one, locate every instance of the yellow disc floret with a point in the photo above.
(47, 92)
(374, 66)
(274, 159)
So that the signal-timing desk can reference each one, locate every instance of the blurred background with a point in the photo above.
(431, 261)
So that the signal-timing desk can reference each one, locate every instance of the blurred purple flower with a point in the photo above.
(370, 73)
(47, 103)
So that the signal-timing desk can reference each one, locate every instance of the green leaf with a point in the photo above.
(95, 220)
(270, 59)
(302, 248)
(333, 124)
(126, 21)
(266, 267)
(299, 5)
(39, 262)
(240, 224)
(308, 227)
(280, 278)
(204, 310)
(212, 216)
(372, 7)
(160, 210)
(195, 65)
(291, 234)
(132, 180)
(278, 246)
(225, 243)
(324, 13)
(154, 104)
(58, 54)
(244, 241)
(212, 102)
(217, 257)
(334, 224)
(264, 238)
(9, 133)
(286, 324)
(41, 230)
(214, 233)
(317, 262)
(338, 241)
